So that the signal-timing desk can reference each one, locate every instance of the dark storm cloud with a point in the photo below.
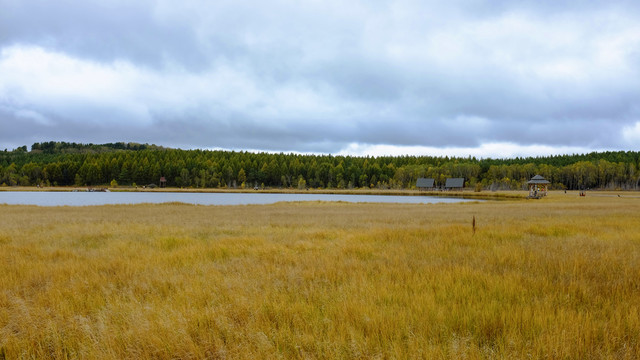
(321, 76)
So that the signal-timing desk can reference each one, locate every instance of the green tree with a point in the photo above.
(302, 184)
(184, 180)
(78, 180)
(242, 176)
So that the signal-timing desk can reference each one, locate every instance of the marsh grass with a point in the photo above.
(553, 278)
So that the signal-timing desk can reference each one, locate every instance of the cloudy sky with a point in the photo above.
(491, 78)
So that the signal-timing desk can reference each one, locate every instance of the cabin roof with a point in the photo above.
(454, 183)
(425, 183)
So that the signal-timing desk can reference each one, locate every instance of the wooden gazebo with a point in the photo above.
(538, 187)
(163, 182)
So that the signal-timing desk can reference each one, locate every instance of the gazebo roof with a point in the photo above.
(538, 180)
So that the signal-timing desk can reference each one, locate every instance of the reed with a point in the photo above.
(552, 278)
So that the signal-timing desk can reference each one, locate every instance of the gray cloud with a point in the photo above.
(317, 77)
(100, 31)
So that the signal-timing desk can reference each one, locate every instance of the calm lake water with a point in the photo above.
(42, 198)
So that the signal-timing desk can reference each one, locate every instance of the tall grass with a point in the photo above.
(555, 278)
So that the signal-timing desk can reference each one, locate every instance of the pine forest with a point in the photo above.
(72, 164)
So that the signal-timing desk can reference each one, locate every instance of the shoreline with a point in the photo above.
(465, 194)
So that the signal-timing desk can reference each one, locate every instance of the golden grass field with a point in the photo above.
(557, 278)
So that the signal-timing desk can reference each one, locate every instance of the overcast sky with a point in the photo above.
(483, 78)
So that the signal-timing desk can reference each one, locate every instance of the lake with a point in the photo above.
(55, 198)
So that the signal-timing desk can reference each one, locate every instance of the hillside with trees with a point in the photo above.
(66, 164)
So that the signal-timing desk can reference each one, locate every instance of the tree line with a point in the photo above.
(65, 164)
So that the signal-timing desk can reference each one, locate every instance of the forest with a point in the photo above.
(132, 164)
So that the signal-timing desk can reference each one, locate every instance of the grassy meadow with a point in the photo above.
(556, 278)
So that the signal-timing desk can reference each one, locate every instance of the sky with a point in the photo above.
(491, 78)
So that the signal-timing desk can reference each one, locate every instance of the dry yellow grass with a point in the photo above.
(552, 278)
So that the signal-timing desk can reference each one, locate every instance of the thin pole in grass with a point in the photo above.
(473, 225)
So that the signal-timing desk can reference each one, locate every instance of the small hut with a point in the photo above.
(163, 182)
(537, 187)
(454, 184)
(425, 184)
